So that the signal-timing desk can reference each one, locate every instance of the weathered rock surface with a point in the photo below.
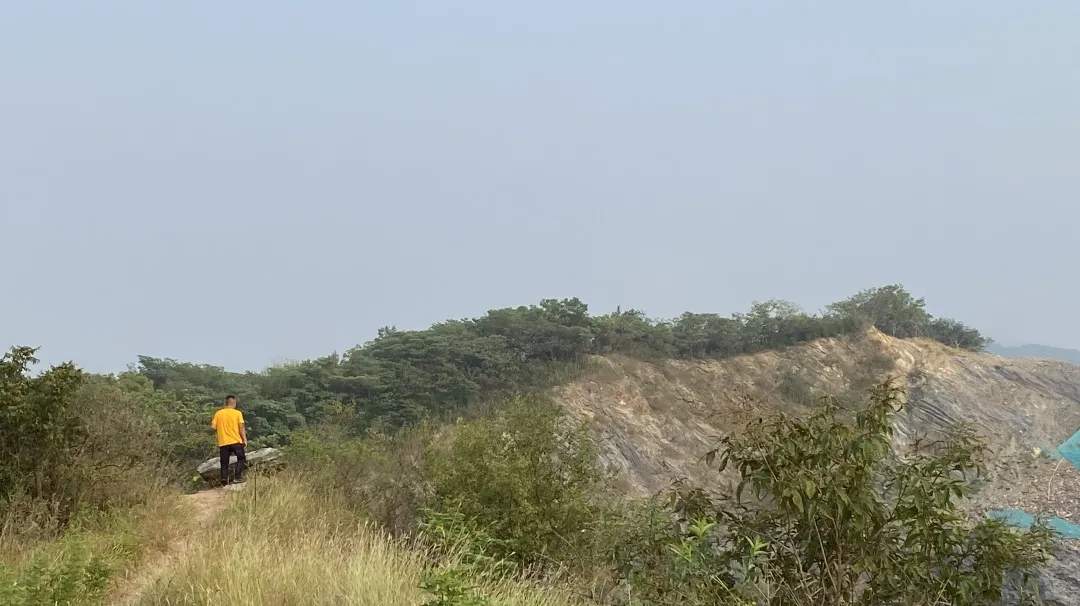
(1058, 584)
(653, 422)
(263, 459)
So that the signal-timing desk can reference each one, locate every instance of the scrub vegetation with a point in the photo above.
(433, 467)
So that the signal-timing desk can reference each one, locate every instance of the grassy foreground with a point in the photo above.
(92, 556)
(289, 546)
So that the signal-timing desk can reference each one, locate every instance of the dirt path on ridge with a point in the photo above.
(207, 504)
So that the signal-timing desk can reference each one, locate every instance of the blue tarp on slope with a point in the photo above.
(1023, 519)
(1070, 449)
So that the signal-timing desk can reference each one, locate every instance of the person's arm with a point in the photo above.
(243, 434)
(213, 423)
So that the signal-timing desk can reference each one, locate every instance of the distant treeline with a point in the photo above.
(404, 375)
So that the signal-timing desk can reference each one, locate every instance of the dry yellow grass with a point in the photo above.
(38, 570)
(291, 547)
(123, 537)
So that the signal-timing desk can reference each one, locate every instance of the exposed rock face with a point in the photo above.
(653, 422)
(1058, 584)
(264, 458)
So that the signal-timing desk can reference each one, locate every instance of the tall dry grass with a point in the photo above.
(97, 550)
(287, 545)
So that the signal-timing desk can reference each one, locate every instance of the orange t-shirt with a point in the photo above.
(227, 422)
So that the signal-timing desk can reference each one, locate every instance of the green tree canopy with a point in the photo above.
(401, 376)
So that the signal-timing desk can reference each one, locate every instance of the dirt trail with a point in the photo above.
(207, 505)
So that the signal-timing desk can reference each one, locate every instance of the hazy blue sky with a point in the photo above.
(240, 182)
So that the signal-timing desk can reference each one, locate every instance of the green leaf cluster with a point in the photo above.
(847, 521)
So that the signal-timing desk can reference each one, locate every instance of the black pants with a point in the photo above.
(227, 452)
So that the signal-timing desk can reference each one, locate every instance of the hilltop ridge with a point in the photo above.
(402, 376)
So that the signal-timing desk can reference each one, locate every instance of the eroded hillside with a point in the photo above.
(655, 420)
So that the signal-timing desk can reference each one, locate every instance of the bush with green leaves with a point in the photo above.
(895, 311)
(473, 553)
(454, 536)
(525, 475)
(825, 513)
(40, 430)
(71, 441)
(77, 577)
(380, 475)
(451, 588)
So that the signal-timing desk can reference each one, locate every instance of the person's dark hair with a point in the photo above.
(229, 397)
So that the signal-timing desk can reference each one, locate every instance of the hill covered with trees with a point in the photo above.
(402, 376)
(512, 506)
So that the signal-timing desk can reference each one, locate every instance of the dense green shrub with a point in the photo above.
(523, 474)
(70, 440)
(380, 475)
(77, 577)
(825, 513)
(40, 431)
(894, 311)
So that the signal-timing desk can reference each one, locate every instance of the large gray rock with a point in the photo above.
(1057, 582)
(264, 458)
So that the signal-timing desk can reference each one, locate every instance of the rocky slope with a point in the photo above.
(654, 421)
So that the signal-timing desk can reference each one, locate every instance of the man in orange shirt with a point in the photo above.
(228, 422)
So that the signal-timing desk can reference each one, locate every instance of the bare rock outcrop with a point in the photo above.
(262, 459)
(654, 422)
